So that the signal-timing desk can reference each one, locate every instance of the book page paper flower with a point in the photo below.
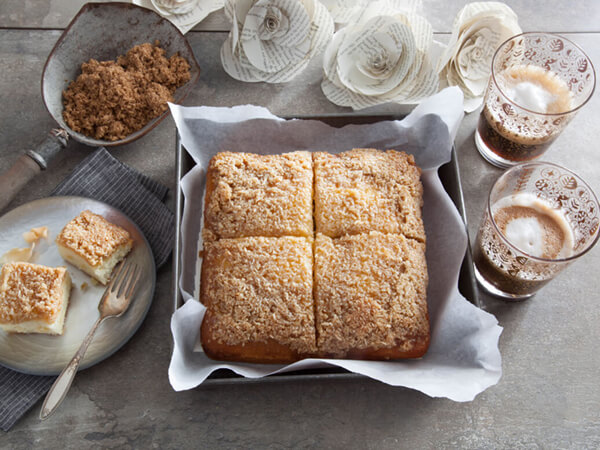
(184, 14)
(273, 40)
(478, 29)
(385, 57)
(347, 11)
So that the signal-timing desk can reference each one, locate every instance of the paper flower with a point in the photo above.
(478, 30)
(346, 11)
(184, 14)
(168, 7)
(274, 40)
(385, 57)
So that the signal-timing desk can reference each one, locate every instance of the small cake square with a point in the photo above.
(94, 245)
(366, 190)
(370, 297)
(258, 294)
(33, 298)
(258, 195)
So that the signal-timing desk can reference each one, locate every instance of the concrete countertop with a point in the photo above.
(548, 396)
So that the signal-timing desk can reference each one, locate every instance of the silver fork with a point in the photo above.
(114, 302)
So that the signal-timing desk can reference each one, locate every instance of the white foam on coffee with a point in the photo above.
(531, 96)
(526, 233)
(536, 89)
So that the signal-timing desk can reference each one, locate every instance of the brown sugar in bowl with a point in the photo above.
(105, 31)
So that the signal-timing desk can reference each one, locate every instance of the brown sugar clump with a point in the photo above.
(112, 99)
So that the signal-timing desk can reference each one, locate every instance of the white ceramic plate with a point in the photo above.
(42, 354)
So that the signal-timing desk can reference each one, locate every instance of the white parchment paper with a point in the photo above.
(463, 359)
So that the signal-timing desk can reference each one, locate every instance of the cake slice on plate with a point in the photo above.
(94, 245)
(33, 298)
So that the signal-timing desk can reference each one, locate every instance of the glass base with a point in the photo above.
(493, 290)
(490, 156)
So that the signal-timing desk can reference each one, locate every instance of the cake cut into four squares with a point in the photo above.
(365, 202)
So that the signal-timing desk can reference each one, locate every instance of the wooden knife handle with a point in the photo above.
(30, 164)
(15, 178)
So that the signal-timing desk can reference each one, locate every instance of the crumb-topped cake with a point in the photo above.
(278, 290)
(370, 296)
(366, 190)
(94, 245)
(33, 298)
(258, 195)
(258, 291)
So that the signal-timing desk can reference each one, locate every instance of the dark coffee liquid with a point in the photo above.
(504, 280)
(505, 148)
(533, 226)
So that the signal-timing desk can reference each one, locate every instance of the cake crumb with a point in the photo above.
(26, 253)
(35, 234)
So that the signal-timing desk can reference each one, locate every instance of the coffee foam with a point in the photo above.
(531, 96)
(533, 226)
(535, 89)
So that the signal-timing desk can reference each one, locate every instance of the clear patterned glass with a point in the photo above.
(506, 268)
(538, 83)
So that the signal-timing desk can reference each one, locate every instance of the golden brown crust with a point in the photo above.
(92, 237)
(258, 292)
(267, 352)
(370, 296)
(207, 233)
(258, 195)
(366, 190)
(30, 292)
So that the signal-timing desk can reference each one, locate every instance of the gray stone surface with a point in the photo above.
(548, 396)
(556, 15)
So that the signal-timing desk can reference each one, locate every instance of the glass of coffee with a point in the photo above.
(538, 83)
(539, 218)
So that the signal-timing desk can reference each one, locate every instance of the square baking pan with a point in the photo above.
(450, 177)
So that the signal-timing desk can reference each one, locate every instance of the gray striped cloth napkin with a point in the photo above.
(101, 177)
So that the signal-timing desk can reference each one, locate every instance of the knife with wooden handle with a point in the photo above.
(30, 164)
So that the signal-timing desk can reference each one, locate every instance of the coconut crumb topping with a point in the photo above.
(259, 195)
(366, 190)
(260, 288)
(92, 237)
(370, 292)
(30, 292)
